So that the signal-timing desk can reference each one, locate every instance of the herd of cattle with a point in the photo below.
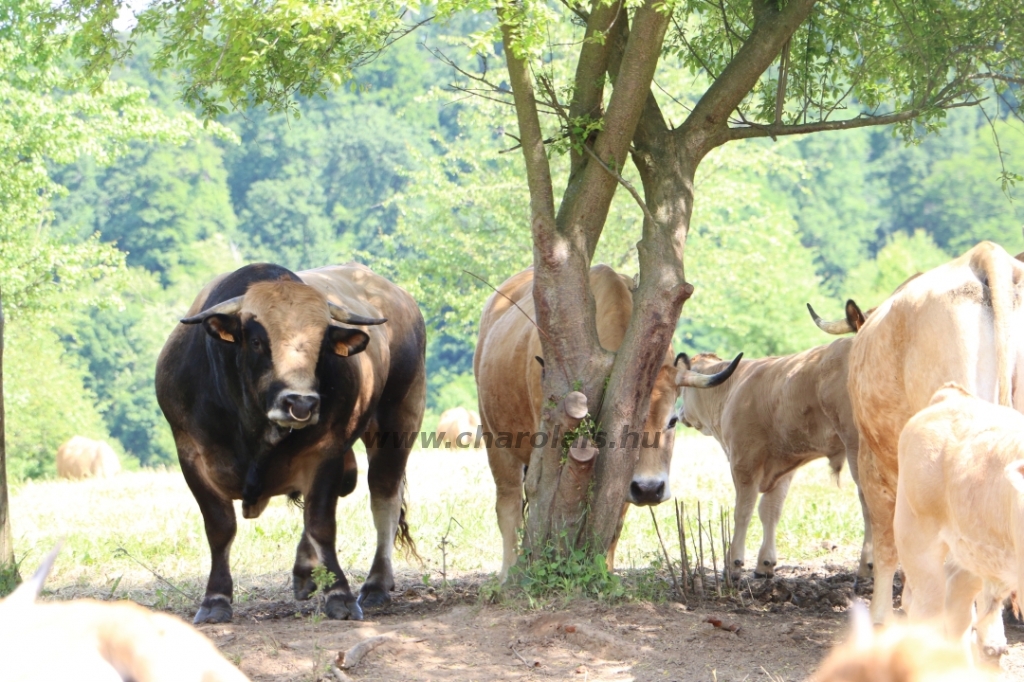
(273, 376)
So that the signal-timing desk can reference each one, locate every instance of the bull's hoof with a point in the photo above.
(303, 588)
(373, 596)
(343, 607)
(213, 611)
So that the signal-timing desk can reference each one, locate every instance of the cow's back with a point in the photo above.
(939, 328)
(507, 373)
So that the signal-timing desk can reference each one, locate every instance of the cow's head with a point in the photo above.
(650, 484)
(279, 329)
(702, 371)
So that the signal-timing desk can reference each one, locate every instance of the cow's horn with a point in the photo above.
(27, 592)
(341, 315)
(228, 307)
(698, 380)
(835, 327)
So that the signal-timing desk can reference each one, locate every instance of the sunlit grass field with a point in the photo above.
(120, 534)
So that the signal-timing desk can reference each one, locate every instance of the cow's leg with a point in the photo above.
(318, 540)
(770, 511)
(219, 521)
(923, 556)
(508, 482)
(989, 622)
(881, 508)
(866, 560)
(746, 497)
(306, 556)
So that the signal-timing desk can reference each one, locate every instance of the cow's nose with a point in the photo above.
(300, 407)
(649, 491)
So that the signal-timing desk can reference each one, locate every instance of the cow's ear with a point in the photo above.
(225, 328)
(854, 317)
(346, 342)
(1015, 472)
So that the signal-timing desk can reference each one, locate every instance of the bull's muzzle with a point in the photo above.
(295, 410)
(648, 491)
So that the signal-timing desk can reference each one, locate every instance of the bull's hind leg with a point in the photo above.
(332, 479)
(770, 511)
(219, 521)
(881, 502)
(398, 426)
(507, 470)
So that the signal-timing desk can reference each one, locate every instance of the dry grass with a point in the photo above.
(153, 518)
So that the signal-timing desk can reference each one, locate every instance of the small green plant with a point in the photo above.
(586, 429)
(569, 572)
(323, 579)
(9, 578)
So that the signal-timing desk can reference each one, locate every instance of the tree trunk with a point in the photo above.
(6, 541)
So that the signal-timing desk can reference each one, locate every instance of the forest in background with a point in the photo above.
(400, 172)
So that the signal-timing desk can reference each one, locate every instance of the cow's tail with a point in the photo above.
(403, 538)
(997, 273)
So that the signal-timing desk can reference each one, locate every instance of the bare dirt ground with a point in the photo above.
(774, 630)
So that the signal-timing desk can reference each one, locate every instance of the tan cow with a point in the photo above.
(960, 513)
(952, 323)
(508, 379)
(99, 641)
(775, 415)
(82, 457)
(898, 653)
(453, 426)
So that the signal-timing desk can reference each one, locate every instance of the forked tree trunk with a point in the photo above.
(578, 503)
(6, 541)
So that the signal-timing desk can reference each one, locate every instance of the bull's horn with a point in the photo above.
(228, 307)
(341, 315)
(835, 327)
(27, 592)
(698, 380)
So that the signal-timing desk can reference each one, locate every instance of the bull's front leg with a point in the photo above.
(219, 521)
(770, 511)
(317, 546)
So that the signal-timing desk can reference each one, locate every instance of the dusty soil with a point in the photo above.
(777, 629)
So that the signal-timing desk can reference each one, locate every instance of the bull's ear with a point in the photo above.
(225, 328)
(346, 342)
(854, 316)
(1015, 472)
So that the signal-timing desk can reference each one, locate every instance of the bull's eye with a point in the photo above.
(257, 345)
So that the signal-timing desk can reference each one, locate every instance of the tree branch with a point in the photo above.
(999, 77)
(538, 171)
(588, 90)
(861, 121)
(625, 183)
(707, 126)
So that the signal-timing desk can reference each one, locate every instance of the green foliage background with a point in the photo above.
(112, 229)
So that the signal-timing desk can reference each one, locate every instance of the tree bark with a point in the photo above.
(6, 540)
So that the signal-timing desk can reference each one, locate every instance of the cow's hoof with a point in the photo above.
(303, 588)
(213, 611)
(373, 596)
(343, 607)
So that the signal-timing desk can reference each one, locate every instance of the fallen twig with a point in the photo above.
(535, 664)
(338, 675)
(352, 657)
(121, 551)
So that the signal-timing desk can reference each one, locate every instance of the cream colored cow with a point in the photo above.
(453, 426)
(96, 641)
(898, 653)
(959, 521)
(82, 457)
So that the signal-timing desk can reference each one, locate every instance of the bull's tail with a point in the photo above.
(997, 273)
(403, 538)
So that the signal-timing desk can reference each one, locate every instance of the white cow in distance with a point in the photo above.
(82, 457)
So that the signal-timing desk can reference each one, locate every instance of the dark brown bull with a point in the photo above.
(266, 392)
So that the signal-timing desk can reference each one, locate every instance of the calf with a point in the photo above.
(774, 416)
(960, 512)
(87, 639)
